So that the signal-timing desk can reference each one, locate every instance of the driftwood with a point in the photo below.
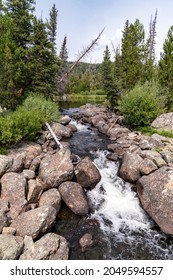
(54, 136)
(75, 158)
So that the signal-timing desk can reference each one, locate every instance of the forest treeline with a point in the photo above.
(132, 80)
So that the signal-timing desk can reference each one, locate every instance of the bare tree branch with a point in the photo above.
(85, 52)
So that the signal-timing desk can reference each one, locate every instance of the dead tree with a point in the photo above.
(85, 52)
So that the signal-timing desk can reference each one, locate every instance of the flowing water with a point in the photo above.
(121, 228)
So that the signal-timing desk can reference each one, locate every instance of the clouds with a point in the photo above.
(80, 20)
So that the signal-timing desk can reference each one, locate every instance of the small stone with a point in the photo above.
(86, 241)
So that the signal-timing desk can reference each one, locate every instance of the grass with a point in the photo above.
(148, 130)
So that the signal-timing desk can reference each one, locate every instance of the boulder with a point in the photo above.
(117, 131)
(147, 166)
(129, 168)
(90, 110)
(28, 151)
(18, 163)
(34, 191)
(5, 163)
(164, 122)
(61, 130)
(72, 127)
(56, 168)
(96, 119)
(65, 120)
(10, 247)
(35, 222)
(28, 174)
(50, 247)
(74, 196)
(87, 173)
(167, 156)
(4, 205)
(154, 156)
(28, 242)
(156, 195)
(8, 230)
(3, 220)
(51, 198)
(13, 190)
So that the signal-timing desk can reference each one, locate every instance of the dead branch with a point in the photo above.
(85, 52)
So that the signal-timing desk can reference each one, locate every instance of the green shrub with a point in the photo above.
(27, 120)
(141, 105)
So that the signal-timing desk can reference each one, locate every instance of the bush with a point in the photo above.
(27, 120)
(141, 105)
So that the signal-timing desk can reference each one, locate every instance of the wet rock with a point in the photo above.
(74, 197)
(34, 222)
(65, 120)
(112, 156)
(156, 195)
(56, 168)
(72, 127)
(61, 130)
(50, 247)
(5, 163)
(86, 241)
(129, 168)
(10, 247)
(163, 122)
(51, 198)
(147, 166)
(154, 156)
(87, 173)
(13, 190)
(3, 220)
(34, 191)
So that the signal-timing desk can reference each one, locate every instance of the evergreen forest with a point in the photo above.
(33, 74)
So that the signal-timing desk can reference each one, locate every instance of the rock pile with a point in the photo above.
(145, 161)
(34, 180)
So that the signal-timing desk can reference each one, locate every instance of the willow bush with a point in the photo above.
(141, 105)
(27, 120)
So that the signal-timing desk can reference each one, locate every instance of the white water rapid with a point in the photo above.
(128, 231)
(117, 209)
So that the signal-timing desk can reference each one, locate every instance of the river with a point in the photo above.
(120, 227)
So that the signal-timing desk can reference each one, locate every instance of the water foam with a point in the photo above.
(117, 209)
(80, 127)
(114, 201)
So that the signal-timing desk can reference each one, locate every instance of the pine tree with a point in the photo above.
(43, 60)
(149, 71)
(16, 39)
(63, 69)
(132, 54)
(52, 25)
(108, 83)
(166, 68)
(117, 70)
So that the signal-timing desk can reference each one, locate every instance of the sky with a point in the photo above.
(82, 20)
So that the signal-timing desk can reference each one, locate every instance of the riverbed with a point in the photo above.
(120, 227)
